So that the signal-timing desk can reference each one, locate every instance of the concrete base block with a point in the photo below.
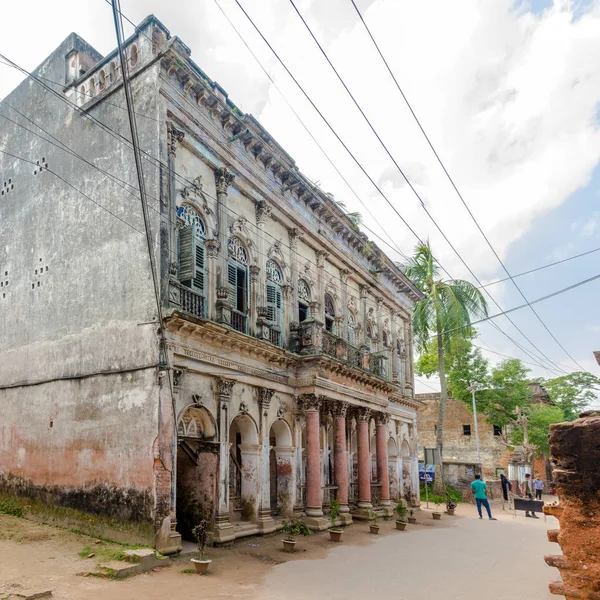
(317, 523)
(171, 545)
(223, 534)
(266, 526)
(140, 561)
(346, 519)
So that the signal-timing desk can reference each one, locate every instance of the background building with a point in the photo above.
(282, 374)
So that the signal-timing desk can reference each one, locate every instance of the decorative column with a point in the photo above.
(223, 179)
(395, 354)
(223, 530)
(414, 464)
(300, 474)
(364, 292)
(314, 500)
(266, 522)
(263, 212)
(381, 433)
(321, 255)
(212, 265)
(291, 306)
(340, 457)
(364, 468)
(343, 331)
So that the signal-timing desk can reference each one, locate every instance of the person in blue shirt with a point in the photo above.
(479, 488)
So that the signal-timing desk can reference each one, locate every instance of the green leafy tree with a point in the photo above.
(539, 419)
(509, 389)
(445, 314)
(573, 392)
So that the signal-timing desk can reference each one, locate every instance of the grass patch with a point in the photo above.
(8, 506)
(188, 571)
(452, 493)
(109, 551)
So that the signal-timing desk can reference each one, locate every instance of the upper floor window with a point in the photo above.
(385, 338)
(303, 300)
(329, 313)
(497, 429)
(351, 328)
(191, 249)
(466, 430)
(370, 337)
(133, 55)
(274, 297)
(237, 274)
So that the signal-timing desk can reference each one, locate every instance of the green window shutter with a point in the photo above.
(271, 302)
(232, 284)
(187, 255)
(199, 268)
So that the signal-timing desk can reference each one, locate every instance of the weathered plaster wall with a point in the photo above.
(78, 338)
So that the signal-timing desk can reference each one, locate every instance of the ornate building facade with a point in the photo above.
(281, 376)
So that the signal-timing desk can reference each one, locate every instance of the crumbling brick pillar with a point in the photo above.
(575, 449)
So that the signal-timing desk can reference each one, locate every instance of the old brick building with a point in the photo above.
(460, 449)
(287, 373)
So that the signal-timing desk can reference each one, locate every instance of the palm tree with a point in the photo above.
(444, 313)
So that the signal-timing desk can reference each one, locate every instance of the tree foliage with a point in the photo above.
(573, 392)
(539, 419)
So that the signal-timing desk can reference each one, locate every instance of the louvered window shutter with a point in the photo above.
(279, 307)
(187, 255)
(199, 273)
(271, 302)
(232, 285)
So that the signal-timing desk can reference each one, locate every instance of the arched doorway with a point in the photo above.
(393, 469)
(407, 490)
(197, 469)
(281, 469)
(244, 468)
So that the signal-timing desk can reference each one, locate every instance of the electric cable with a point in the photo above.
(511, 277)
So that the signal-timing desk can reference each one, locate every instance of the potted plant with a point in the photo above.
(292, 529)
(436, 514)
(335, 533)
(411, 517)
(373, 527)
(202, 563)
(401, 511)
(450, 506)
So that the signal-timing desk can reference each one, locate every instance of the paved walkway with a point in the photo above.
(462, 558)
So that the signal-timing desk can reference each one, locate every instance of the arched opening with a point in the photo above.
(281, 469)
(393, 469)
(237, 282)
(133, 55)
(197, 469)
(244, 468)
(101, 81)
(329, 313)
(406, 479)
(112, 72)
(303, 300)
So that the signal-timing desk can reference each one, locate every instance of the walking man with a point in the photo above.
(538, 485)
(479, 488)
(527, 492)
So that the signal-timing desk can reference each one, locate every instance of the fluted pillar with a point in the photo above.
(223, 530)
(340, 457)
(364, 467)
(381, 437)
(223, 179)
(314, 501)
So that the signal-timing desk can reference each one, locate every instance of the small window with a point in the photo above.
(133, 55)
(329, 313)
(92, 87)
(302, 312)
(101, 81)
(112, 73)
(466, 430)
(497, 430)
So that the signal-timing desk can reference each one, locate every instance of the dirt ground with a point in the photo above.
(35, 557)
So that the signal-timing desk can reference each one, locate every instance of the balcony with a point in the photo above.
(239, 321)
(275, 336)
(186, 299)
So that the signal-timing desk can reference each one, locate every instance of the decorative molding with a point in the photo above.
(224, 387)
(340, 409)
(264, 399)
(364, 291)
(294, 234)
(197, 400)
(239, 229)
(212, 248)
(281, 411)
(263, 212)
(223, 179)
(362, 414)
(174, 137)
(177, 373)
(344, 273)
(243, 407)
(382, 418)
(321, 255)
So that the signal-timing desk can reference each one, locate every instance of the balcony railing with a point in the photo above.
(189, 300)
(239, 321)
(329, 343)
(353, 355)
(275, 337)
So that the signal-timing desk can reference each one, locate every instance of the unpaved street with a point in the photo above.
(460, 557)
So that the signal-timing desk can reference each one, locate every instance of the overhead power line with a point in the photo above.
(375, 185)
(437, 156)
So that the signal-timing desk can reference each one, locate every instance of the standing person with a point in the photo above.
(538, 486)
(479, 488)
(506, 486)
(527, 492)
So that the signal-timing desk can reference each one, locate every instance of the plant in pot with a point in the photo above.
(450, 506)
(200, 532)
(411, 517)
(401, 511)
(292, 529)
(373, 527)
(335, 533)
(436, 514)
